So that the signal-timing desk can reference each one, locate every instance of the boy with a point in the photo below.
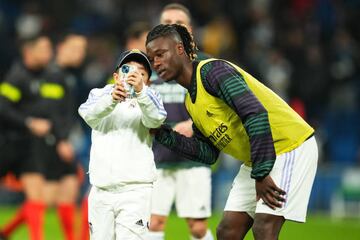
(122, 168)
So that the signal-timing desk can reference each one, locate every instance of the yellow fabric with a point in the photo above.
(110, 80)
(10, 92)
(223, 127)
(52, 91)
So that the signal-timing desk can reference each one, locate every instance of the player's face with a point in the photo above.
(175, 16)
(42, 51)
(73, 51)
(164, 57)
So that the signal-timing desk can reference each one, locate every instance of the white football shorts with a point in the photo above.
(293, 172)
(189, 188)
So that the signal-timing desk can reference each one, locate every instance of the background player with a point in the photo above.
(176, 181)
(20, 99)
(62, 181)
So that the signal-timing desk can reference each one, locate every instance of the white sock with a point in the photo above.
(155, 235)
(208, 236)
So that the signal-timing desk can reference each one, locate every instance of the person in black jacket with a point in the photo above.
(20, 100)
(62, 183)
(53, 150)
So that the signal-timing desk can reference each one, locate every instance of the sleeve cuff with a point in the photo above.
(141, 93)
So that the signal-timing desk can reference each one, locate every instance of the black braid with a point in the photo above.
(176, 30)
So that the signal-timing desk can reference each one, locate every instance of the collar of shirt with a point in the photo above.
(192, 89)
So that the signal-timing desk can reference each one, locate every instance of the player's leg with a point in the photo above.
(199, 229)
(132, 213)
(33, 181)
(193, 200)
(34, 206)
(31, 178)
(234, 225)
(240, 207)
(63, 187)
(8, 164)
(68, 192)
(294, 172)
(162, 199)
(84, 225)
(267, 227)
(101, 215)
(13, 223)
(157, 227)
(51, 191)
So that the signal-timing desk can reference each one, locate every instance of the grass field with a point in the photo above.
(317, 227)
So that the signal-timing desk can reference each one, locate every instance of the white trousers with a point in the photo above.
(123, 214)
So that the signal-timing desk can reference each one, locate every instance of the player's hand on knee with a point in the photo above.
(267, 190)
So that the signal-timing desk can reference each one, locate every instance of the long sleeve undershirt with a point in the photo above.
(222, 80)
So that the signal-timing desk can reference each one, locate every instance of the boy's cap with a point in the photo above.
(134, 55)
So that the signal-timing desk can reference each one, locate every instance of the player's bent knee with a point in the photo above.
(198, 228)
(157, 223)
(224, 232)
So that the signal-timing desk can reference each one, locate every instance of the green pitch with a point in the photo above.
(318, 227)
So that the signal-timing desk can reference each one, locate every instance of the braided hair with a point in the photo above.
(179, 32)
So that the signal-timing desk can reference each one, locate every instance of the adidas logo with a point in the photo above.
(140, 222)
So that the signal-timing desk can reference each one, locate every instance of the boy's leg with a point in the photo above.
(101, 215)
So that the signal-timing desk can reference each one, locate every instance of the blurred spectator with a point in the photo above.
(20, 99)
(219, 38)
(62, 181)
(276, 71)
(344, 71)
(136, 36)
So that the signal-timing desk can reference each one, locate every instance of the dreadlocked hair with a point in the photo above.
(177, 31)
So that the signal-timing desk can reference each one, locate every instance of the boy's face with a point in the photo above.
(141, 69)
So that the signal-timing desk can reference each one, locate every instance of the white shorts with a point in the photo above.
(190, 189)
(293, 172)
(119, 214)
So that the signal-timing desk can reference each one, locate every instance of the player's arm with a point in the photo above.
(64, 117)
(99, 104)
(63, 121)
(196, 148)
(11, 93)
(224, 81)
(151, 105)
